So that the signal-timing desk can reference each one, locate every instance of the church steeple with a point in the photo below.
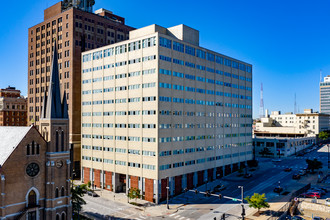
(52, 106)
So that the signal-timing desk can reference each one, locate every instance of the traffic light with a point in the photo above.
(220, 196)
(196, 191)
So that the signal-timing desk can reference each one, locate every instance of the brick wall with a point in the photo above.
(149, 190)
(163, 189)
(178, 185)
(210, 174)
(108, 180)
(190, 180)
(86, 174)
(134, 182)
(97, 178)
(200, 175)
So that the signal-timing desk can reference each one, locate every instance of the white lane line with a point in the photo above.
(172, 214)
(178, 216)
(181, 218)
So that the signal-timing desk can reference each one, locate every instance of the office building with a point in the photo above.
(13, 107)
(160, 110)
(325, 95)
(304, 124)
(76, 29)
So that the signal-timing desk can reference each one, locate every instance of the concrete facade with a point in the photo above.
(76, 31)
(280, 146)
(13, 107)
(160, 110)
(301, 124)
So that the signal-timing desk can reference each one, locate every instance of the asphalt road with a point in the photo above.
(201, 207)
(264, 182)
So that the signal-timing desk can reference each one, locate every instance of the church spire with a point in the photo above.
(52, 104)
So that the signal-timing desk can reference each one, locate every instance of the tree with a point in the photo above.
(134, 193)
(257, 201)
(314, 164)
(323, 135)
(77, 200)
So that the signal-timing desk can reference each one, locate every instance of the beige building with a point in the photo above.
(303, 124)
(159, 109)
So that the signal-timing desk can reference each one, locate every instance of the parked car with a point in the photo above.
(327, 201)
(276, 160)
(321, 191)
(288, 169)
(302, 172)
(93, 194)
(248, 175)
(295, 218)
(219, 188)
(296, 176)
(278, 189)
(312, 195)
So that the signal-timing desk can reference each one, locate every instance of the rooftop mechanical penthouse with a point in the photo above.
(159, 109)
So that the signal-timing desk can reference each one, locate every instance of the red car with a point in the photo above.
(311, 195)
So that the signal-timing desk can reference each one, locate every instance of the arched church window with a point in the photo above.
(63, 216)
(28, 149)
(37, 149)
(62, 140)
(32, 148)
(56, 193)
(57, 217)
(32, 199)
(56, 141)
(62, 191)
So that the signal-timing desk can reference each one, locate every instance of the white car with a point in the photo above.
(327, 201)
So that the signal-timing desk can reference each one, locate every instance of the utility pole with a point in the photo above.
(242, 202)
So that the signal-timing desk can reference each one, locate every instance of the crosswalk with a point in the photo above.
(179, 217)
(310, 158)
(141, 217)
(293, 167)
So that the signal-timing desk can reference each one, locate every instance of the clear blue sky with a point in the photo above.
(287, 42)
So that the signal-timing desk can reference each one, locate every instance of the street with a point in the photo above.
(268, 176)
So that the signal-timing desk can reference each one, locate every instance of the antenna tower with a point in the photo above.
(295, 103)
(261, 110)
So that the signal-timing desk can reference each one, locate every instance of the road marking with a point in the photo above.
(178, 216)
(138, 219)
(172, 214)
(181, 218)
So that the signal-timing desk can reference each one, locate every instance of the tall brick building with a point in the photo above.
(76, 29)
(35, 169)
(13, 107)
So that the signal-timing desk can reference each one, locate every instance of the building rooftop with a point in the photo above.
(10, 137)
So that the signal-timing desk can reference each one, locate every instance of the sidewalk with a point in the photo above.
(149, 209)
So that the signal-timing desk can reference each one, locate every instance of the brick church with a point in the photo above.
(35, 165)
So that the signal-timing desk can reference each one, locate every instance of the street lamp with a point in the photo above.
(167, 189)
(242, 202)
(328, 156)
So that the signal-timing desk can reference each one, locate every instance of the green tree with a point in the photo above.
(257, 201)
(134, 193)
(323, 135)
(314, 164)
(77, 200)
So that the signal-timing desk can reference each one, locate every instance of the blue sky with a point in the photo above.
(287, 42)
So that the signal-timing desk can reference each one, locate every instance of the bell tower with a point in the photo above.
(54, 127)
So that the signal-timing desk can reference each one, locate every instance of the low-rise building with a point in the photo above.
(13, 107)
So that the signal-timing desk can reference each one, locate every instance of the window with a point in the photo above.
(32, 199)
(165, 43)
(56, 193)
(178, 47)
